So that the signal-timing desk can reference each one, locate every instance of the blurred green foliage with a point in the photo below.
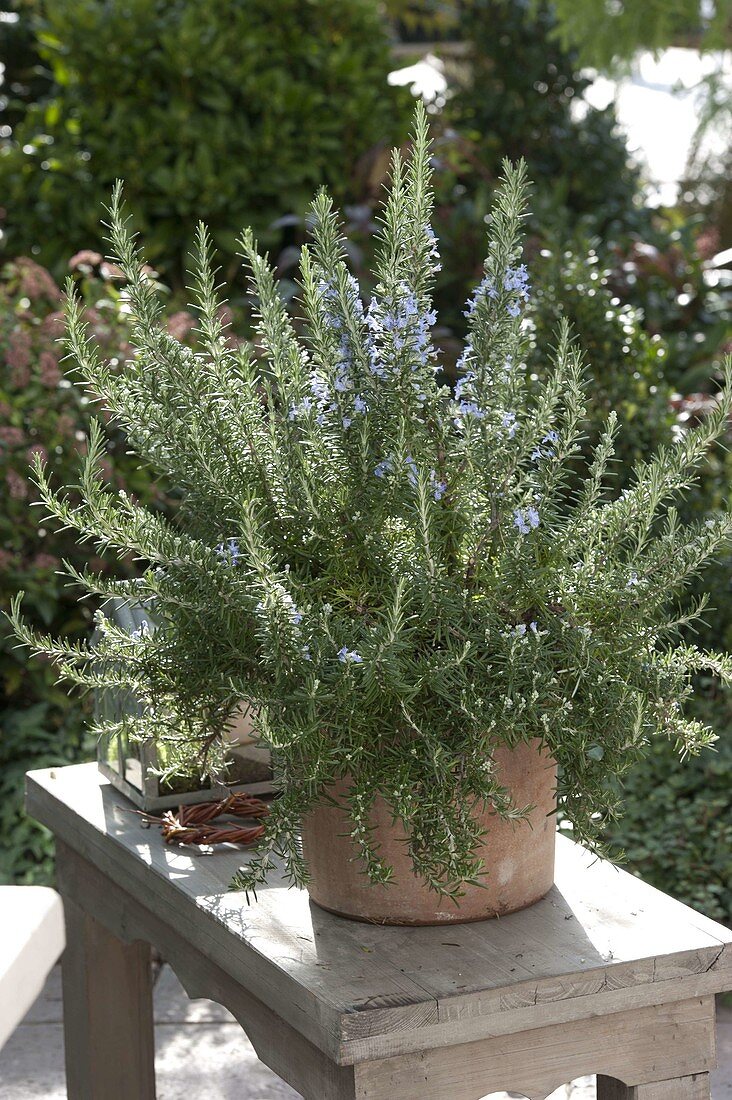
(672, 275)
(234, 117)
(520, 94)
(517, 100)
(605, 33)
(676, 826)
(676, 830)
(625, 365)
(25, 79)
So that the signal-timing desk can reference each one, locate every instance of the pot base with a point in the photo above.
(518, 855)
(434, 920)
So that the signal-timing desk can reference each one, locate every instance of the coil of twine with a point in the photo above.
(192, 824)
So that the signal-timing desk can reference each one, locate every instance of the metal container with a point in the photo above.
(131, 766)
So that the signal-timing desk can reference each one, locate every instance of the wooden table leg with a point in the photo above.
(108, 1018)
(682, 1088)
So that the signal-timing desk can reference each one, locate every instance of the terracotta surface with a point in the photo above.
(518, 856)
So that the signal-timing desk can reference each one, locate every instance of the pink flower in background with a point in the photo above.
(111, 271)
(36, 449)
(45, 561)
(12, 437)
(35, 281)
(53, 325)
(18, 352)
(6, 559)
(17, 485)
(85, 260)
(48, 369)
(180, 324)
(65, 425)
(20, 377)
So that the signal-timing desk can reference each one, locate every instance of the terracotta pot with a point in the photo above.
(518, 856)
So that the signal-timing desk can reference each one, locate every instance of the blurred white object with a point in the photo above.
(659, 106)
(425, 78)
(32, 937)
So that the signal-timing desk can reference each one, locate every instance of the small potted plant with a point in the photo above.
(151, 771)
(438, 635)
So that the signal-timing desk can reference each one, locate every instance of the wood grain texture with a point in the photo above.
(108, 1020)
(641, 1046)
(695, 1087)
(602, 942)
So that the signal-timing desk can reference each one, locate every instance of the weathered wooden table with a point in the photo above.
(606, 975)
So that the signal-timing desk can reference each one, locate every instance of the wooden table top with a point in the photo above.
(602, 941)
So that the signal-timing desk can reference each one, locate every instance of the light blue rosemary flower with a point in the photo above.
(349, 656)
(485, 289)
(464, 382)
(463, 361)
(434, 252)
(526, 521)
(229, 551)
(471, 408)
(439, 487)
(508, 421)
(516, 281)
(399, 330)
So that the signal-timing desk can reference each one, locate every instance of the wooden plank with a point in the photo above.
(695, 1087)
(108, 1020)
(523, 1019)
(676, 1039)
(600, 941)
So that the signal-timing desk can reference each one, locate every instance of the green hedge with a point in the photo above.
(677, 827)
(233, 115)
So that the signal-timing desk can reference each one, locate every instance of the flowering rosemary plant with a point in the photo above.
(395, 575)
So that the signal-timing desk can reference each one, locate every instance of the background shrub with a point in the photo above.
(625, 364)
(677, 826)
(671, 274)
(41, 410)
(235, 118)
(514, 98)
